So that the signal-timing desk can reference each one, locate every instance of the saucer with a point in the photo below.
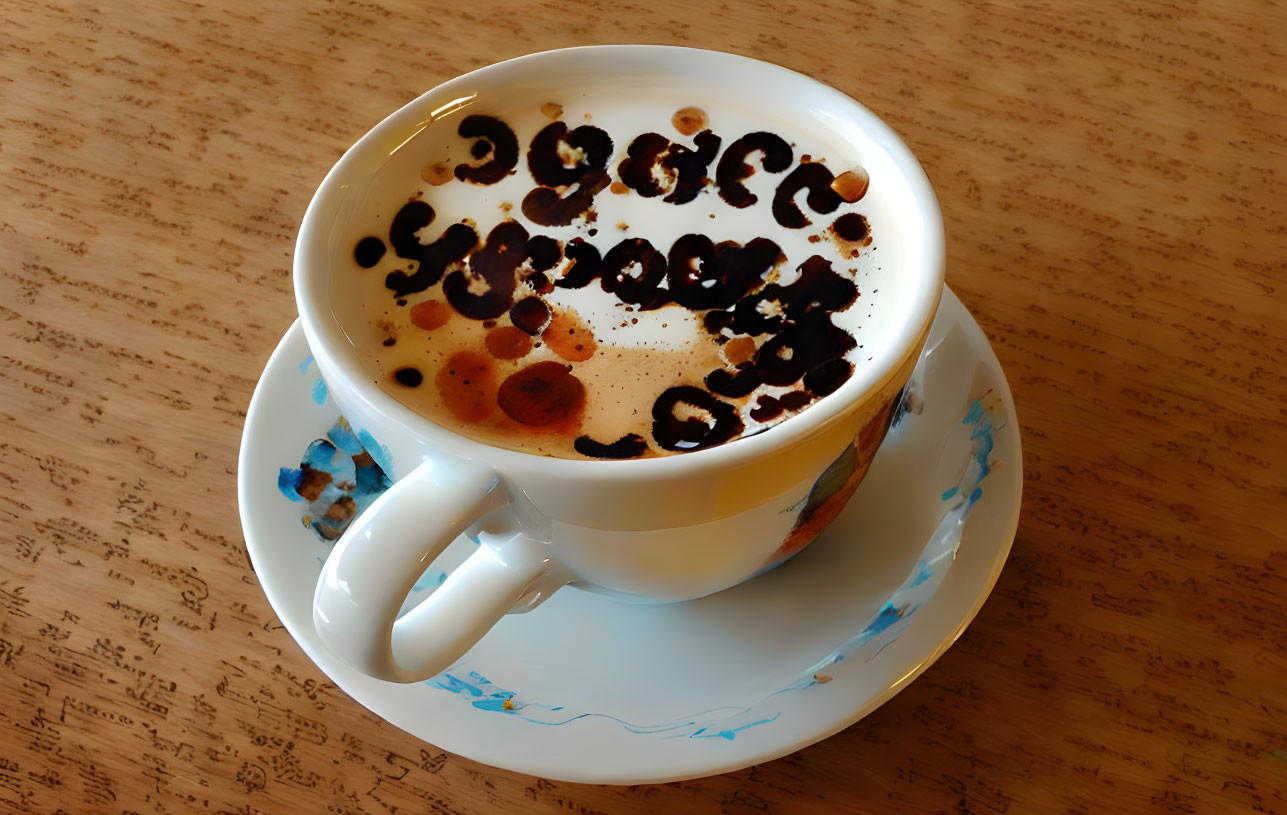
(588, 689)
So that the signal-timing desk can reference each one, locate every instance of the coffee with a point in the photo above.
(586, 277)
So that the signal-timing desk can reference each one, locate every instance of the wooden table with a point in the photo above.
(1114, 181)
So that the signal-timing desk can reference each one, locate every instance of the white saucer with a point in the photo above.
(588, 689)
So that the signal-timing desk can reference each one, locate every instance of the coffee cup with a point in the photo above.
(688, 514)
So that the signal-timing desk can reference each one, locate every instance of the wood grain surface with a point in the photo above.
(1114, 179)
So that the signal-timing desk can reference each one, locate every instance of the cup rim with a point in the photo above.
(336, 356)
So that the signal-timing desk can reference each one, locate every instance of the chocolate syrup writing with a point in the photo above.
(772, 334)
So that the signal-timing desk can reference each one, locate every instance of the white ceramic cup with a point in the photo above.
(668, 528)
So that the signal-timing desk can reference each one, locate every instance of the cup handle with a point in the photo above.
(381, 555)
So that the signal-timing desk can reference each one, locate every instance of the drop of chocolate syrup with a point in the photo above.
(410, 377)
(368, 252)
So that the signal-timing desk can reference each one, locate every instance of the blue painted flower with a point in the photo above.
(338, 478)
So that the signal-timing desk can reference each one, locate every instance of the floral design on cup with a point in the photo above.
(337, 478)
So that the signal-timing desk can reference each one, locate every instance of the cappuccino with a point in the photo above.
(591, 276)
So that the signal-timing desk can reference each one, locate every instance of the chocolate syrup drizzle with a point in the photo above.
(797, 343)
(494, 138)
(733, 169)
(686, 167)
(817, 179)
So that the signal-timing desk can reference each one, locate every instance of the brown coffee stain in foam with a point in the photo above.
(689, 120)
(508, 342)
(568, 336)
(739, 350)
(436, 174)
(429, 315)
(552, 110)
(542, 394)
(467, 384)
